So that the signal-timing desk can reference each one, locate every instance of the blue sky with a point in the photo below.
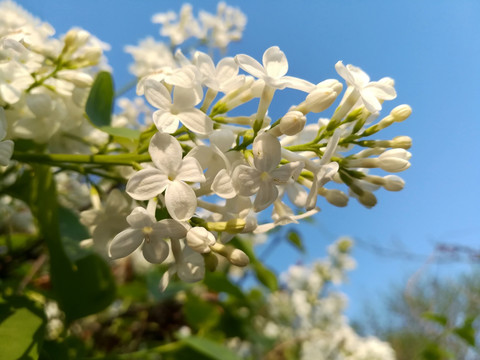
(431, 49)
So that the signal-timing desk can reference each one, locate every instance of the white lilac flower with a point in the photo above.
(14, 79)
(170, 175)
(370, 92)
(181, 110)
(262, 178)
(144, 229)
(224, 77)
(149, 56)
(273, 70)
(6, 146)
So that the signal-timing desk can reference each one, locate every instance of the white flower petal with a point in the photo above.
(155, 250)
(157, 94)
(140, 218)
(165, 121)
(275, 62)
(180, 200)
(222, 185)
(190, 171)
(250, 65)
(125, 243)
(246, 180)
(196, 121)
(166, 153)
(227, 69)
(192, 268)
(184, 98)
(6, 151)
(267, 152)
(146, 184)
(285, 172)
(170, 229)
(266, 195)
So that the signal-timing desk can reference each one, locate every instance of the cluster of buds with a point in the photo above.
(212, 173)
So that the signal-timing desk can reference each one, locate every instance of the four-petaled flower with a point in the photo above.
(145, 229)
(170, 175)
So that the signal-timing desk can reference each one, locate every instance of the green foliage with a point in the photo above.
(294, 238)
(22, 326)
(210, 348)
(100, 100)
(83, 286)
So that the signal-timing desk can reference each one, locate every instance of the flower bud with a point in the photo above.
(336, 197)
(200, 239)
(393, 183)
(368, 199)
(394, 160)
(322, 97)
(401, 112)
(292, 123)
(75, 38)
(231, 226)
(233, 255)
(404, 142)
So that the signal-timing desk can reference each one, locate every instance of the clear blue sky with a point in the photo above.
(431, 48)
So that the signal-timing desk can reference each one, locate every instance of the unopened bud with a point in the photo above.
(319, 99)
(368, 199)
(394, 160)
(231, 226)
(233, 255)
(336, 197)
(200, 239)
(404, 142)
(292, 123)
(75, 38)
(401, 112)
(393, 183)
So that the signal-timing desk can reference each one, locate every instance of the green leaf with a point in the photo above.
(435, 352)
(200, 314)
(82, 286)
(210, 348)
(21, 329)
(121, 132)
(467, 331)
(438, 318)
(100, 100)
(219, 282)
(265, 276)
(295, 239)
(70, 226)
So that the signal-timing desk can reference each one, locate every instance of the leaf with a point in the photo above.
(295, 239)
(434, 352)
(70, 226)
(100, 100)
(22, 328)
(121, 132)
(200, 314)
(210, 348)
(81, 287)
(219, 282)
(467, 331)
(438, 318)
(265, 276)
